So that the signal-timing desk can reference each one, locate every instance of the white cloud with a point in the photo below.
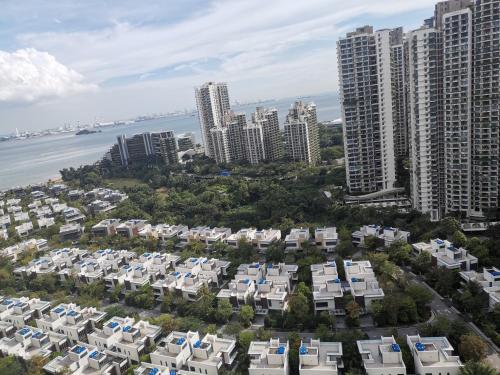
(27, 75)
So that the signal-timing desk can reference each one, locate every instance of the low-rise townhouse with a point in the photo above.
(326, 238)
(98, 206)
(297, 238)
(183, 284)
(24, 229)
(206, 235)
(34, 205)
(73, 215)
(211, 354)
(45, 222)
(12, 252)
(433, 356)
(386, 235)
(136, 339)
(166, 232)
(150, 369)
(14, 209)
(58, 207)
(105, 228)
(445, 254)
(489, 280)
(270, 296)
(21, 217)
(268, 357)
(70, 232)
(20, 311)
(260, 239)
(26, 344)
(174, 350)
(238, 293)
(5, 221)
(71, 320)
(75, 194)
(320, 358)
(363, 284)
(43, 212)
(130, 228)
(381, 356)
(327, 289)
(85, 359)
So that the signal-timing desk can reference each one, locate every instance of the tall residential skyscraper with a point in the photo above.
(426, 120)
(254, 138)
(456, 26)
(212, 100)
(268, 120)
(372, 93)
(485, 110)
(301, 133)
(236, 123)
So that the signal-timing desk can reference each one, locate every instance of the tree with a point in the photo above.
(224, 311)
(167, 323)
(372, 243)
(399, 252)
(422, 262)
(449, 225)
(477, 368)
(421, 295)
(275, 252)
(299, 309)
(246, 315)
(353, 312)
(459, 239)
(10, 366)
(472, 348)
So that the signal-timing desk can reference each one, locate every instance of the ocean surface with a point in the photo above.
(24, 162)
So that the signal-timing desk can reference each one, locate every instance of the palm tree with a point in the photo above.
(477, 368)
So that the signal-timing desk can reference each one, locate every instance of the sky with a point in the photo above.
(74, 61)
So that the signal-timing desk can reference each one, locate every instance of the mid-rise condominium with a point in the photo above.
(143, 148)
(301, 133)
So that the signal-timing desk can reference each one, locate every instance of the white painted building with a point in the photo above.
(363, 284)
(381, 356)
(327, 288)
(268, 357)
(320, 358)
(433, 356)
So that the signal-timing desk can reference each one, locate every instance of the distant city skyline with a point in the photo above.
(77, 61)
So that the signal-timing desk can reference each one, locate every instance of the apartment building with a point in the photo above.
(105, 228)
(144, 148)
(445, 254)
(386, 235)
(253, 136)
(457, 109)
(236, 141)
(381, 356)
(489, 280)
(326, 238)
(266, 119)
(433, 356)
(19, 311)
(327, 289)
(485, 118)
(372, 79)
(268, 357)
(71, 320)
(212, 101)
(363, 284)
(186, 142)
(296, 238)
(317, 358)
(301, 133)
